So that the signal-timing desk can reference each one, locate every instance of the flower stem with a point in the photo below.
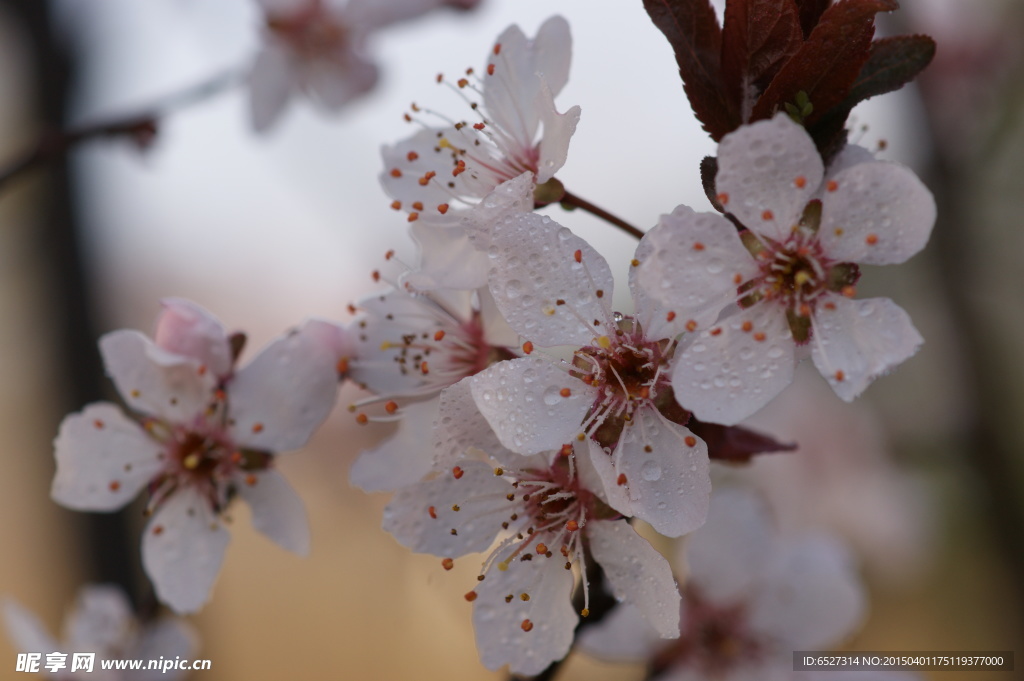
(574, 201)
(53, 145)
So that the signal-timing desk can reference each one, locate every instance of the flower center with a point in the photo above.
(311, 32)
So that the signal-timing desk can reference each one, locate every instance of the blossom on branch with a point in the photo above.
(547, 515)
(201, 434)
(317, 47)
(791, 271)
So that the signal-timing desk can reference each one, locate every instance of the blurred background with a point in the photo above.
(924, 475)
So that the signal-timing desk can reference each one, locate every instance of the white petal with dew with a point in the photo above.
(727, 373)
(103, 459)
(460, 426)
(401, 459)
(637, 573)
(690, 266)
(767, 172)
(184, 328)
(877, 214)
(182, 551)
(859, 340)
(422, 516)
(277, 510)
(532, 403)
(500, 634)
(547, 293)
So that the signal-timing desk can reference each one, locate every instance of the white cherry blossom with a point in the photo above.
(199, 439)
(102, 623)
(407, 347)
(546, 518)
(317, 47)
(791, 274)
(441, 172)
(615, 394)
(750, 599)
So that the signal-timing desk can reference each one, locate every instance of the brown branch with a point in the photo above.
(571, 200)
(53, 145)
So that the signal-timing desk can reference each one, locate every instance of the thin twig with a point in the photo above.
(571, 199)
(53, 145)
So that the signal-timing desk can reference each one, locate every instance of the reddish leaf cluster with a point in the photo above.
(814, 59)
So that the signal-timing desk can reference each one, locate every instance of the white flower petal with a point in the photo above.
(184, 328)
(101, 621)
(168, 638)
(760, 167)
(545, 293)
(558, 131)
(333, 83)
(25, 630)
(182, 551)
(460, 426)
(154, 381)
(422, 516)
(514, 85)
(406, 162)
(401, 459)
(103, 459)
(623, 635)
(877, 214)
(637, 573)
(858, 340)
(375, 14)
(285, 392)
(500, 635)
(691, 265)
(523, 401)
(271, 81)
(727, 373)
(809, 596)
(448, 259)
(725, 556)
(508, 199)
(277, 510)
(668, 479)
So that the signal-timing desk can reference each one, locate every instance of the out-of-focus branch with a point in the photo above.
(54, 144)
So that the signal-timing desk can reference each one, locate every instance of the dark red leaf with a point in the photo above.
(830, 60)
(810, 13)
(693, 32)
(758, 38)
(735, 444)
(891, 64)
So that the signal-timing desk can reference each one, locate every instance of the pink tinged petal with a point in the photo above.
(25, 630)
(551, 285)
(460, 426)
(401, 459)
(724, 556)
(334, 82)
(876, 214)
(532, 404)
(277, 510)
(271, 81)
(182, 551)
(667, 473)
(101, 621)
(738, 365)
(154, 381)
(423, 516)
(553, 52)
(558, 130)
(637, 573)
(809, 596)
(502, 633)
(285, 393)
(767, 172)
(103, 459)
(184, 328)
(623, 635)
(510, 93)
(857, 341)
(690, 265)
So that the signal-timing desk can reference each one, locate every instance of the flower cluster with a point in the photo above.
(541, 421)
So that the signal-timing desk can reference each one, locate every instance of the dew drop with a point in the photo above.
(650, 471)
